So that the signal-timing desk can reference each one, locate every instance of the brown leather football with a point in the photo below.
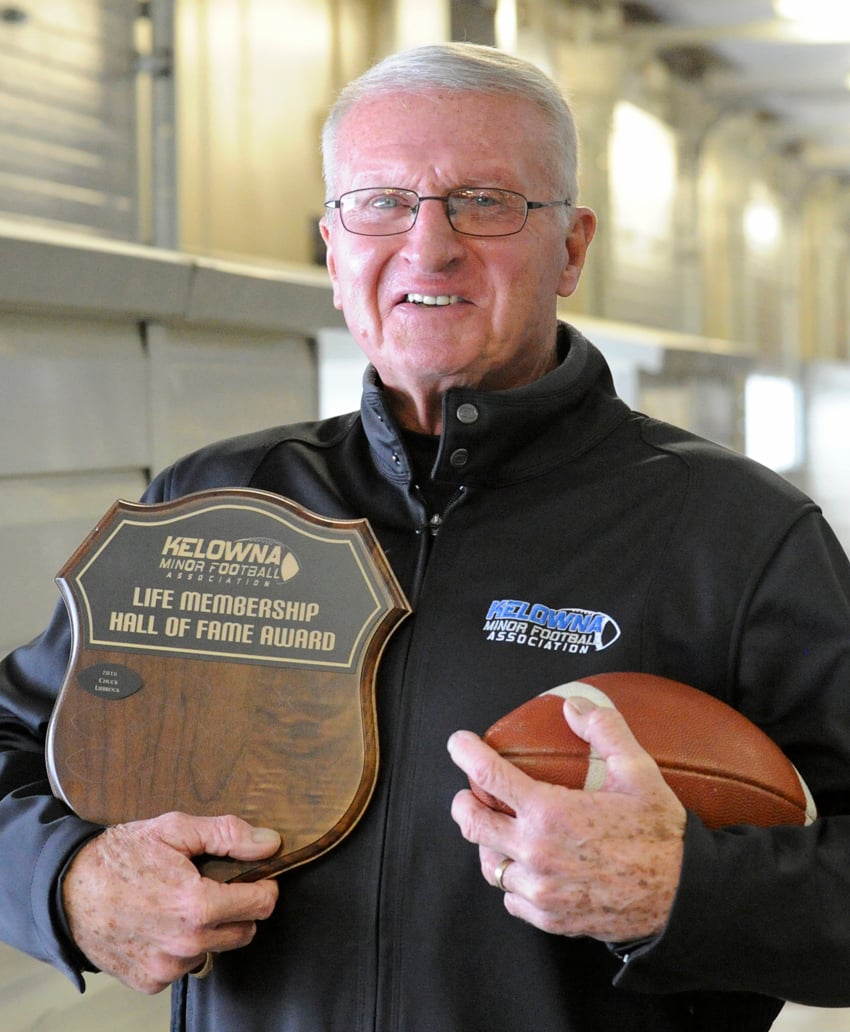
(719, 764)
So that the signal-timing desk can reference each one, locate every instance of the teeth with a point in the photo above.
(428, 299)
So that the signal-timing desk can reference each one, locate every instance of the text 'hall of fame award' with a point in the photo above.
(225, 647)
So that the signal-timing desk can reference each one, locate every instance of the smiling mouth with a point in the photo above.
(434, 301)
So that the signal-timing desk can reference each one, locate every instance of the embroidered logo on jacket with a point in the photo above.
(539, 626)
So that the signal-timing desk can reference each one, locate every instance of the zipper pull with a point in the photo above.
(434, 524)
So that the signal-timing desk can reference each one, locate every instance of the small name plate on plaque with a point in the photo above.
(224, 660)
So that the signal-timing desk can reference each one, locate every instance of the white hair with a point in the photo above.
(465, 67)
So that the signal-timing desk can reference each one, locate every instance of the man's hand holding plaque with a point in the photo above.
(224, 658)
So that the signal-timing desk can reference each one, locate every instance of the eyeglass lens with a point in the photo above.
(476, 212)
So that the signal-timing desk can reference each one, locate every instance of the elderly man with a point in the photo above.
(497, 467)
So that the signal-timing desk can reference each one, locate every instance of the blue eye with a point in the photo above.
(390, 202)
(384, 203)
(491, 202)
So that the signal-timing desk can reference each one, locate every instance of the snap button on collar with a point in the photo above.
(467, 412)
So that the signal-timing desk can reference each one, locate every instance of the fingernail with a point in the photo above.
(453, 738)
(264, 836)
(580, 704)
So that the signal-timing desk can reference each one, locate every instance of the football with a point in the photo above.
(719, 764)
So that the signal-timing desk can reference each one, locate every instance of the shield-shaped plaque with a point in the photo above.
(225, 647)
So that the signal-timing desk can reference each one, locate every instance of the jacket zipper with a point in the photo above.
(428, 532)
(428, 527)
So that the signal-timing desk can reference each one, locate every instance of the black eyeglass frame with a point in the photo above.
(529, 206)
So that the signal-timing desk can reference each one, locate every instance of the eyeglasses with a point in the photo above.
(473, 211)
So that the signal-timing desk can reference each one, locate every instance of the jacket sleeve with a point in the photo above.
(39, 835)
(768, 910)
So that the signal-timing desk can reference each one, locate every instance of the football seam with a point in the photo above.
(677, 769)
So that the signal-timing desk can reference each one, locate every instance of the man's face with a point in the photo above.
(499, 330)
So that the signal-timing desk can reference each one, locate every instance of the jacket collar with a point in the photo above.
(493, 437)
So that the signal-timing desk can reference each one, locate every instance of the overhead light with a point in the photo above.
(831, 15)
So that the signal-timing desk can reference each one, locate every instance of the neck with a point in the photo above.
(421, 413)
(421, 408)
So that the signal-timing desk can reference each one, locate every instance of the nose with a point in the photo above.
(432, 241)
(440, 200)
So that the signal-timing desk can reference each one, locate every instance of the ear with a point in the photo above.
(581, 232)
(327, 236)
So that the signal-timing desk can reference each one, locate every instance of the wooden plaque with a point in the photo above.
(224, 654)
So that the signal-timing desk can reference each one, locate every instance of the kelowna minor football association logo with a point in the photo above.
(538, 626)
(257, 558)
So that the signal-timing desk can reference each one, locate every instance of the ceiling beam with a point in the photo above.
(663, 35)
(721, 85)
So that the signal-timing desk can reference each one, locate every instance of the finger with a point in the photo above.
(491, 830)
(498, 874)
(491, 774)
(196, 934)
(224, 937)
(231, 903)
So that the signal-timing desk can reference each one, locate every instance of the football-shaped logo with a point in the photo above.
(719, 764)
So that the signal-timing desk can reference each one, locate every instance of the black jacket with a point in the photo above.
(698, 564)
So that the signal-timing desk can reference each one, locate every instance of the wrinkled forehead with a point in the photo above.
(455, 137)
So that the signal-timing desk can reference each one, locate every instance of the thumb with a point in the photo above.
(617, 760)
(259, 844)
(218, 836)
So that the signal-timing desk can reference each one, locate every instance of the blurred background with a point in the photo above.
(162, 278)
